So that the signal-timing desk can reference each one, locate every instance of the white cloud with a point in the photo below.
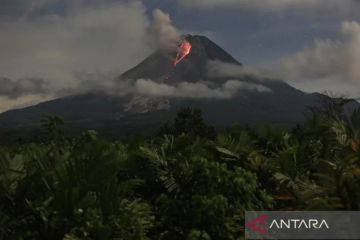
(23, 101)
(335, 64)
(149, 88)
(236, 85)
(268, 5)
(196, 90)
(14, 89)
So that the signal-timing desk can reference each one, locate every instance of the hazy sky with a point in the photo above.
(46, 45)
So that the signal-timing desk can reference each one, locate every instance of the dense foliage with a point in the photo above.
(185, 183)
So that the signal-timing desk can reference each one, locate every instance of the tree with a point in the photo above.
(189, 121)
(200, 195)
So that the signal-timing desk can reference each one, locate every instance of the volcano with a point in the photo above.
(159, 66)
(280, 105)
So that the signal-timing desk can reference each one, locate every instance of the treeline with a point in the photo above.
(185, 183)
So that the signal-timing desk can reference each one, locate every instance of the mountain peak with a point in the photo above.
(159, 66)
(212, 50)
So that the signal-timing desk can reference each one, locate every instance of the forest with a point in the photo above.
(187, 182)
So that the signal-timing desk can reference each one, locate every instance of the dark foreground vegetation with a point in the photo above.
(185, 183)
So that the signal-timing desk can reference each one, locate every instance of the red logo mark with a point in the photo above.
(257, 224)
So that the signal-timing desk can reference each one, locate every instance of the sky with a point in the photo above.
(48, 48)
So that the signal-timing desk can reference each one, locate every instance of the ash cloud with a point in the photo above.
(86, 36)
(102, 82)
(107, 38)
(161, 32)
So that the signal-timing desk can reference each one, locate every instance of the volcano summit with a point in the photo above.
(207, 77)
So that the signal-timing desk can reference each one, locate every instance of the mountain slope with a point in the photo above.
(159, 66)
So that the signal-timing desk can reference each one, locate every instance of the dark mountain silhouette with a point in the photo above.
(283, 105)
(159, 66)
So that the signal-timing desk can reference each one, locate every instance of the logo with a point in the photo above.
(299, 223)
(258, 224)
(302, 225)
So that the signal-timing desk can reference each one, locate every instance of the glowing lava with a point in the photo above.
(184, 50)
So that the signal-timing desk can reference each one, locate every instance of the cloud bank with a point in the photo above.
(331, 65)
(227, 90)
(28, 86)
(150, 88)
(88, 36)
(269, 5)
(53, 47)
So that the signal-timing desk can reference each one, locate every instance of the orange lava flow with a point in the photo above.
(184, 50)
